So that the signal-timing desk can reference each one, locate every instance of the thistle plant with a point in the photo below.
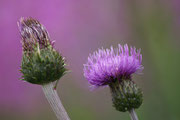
(41, 63)
(114, 68)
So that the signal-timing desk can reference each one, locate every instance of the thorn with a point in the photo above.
(55, 86)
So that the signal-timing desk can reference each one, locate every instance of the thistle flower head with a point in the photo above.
(41, 63)
(114, 67)
(106, 65)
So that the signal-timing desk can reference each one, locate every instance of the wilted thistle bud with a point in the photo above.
(114, 68)
(41, 63)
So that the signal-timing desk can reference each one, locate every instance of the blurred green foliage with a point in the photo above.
(154, 32)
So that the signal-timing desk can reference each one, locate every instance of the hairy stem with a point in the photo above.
(54, 101)
(133, 114)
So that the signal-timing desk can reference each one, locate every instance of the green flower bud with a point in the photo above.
(125, 95)
(41, 63)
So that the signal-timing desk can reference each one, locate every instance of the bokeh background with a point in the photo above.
(80, 27)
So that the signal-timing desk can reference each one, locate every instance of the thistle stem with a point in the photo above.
(133, 114)
(54, 101)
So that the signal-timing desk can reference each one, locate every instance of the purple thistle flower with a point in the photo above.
(106, 65)
(114, 67)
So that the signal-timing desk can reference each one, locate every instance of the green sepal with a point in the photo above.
(126, 95)
(42, 67)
